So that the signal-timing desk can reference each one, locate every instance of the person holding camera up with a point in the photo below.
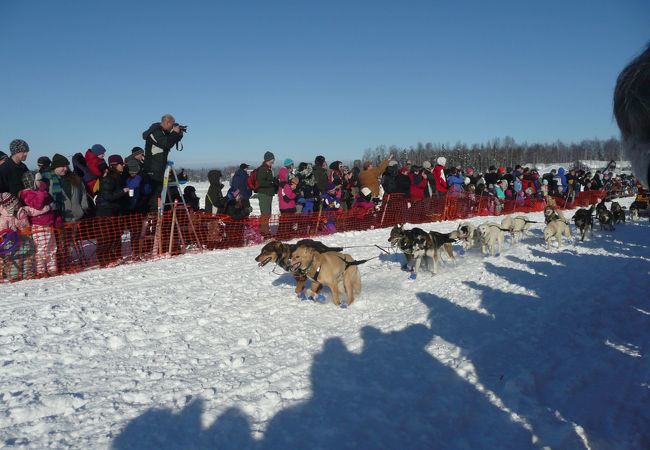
(159, 140)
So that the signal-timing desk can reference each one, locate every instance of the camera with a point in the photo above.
(182, 127)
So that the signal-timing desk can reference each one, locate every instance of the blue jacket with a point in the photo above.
(239, 181)
(455, 183)
(561, 179)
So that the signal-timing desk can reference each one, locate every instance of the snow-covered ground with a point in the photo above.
(534, 348)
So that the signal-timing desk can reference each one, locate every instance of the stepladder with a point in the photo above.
(174, 231)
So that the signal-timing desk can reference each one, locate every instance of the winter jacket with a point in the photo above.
(330, 202)
(439, 177)
(95, 171)
(418, 185)
(215, 203)
(370, 178)
(389, 179)
(12, 215)
(11, 176)
(455, 183)
(240, 181)
(111, 198)
(431, 183)
(141, 192)
(40, 212)
(283, 176)
(286, 197)
(560, 180)
(158, 144)
(266, 180)
(69, 195)
(320, 175)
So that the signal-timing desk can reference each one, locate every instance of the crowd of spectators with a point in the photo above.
(62, 192)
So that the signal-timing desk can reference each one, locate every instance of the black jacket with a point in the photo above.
(111, 198)
(11, 176)
(158, 143)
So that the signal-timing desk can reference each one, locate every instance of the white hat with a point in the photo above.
(441, 160)
(426, 164)
(393, 162)
(467, 180)
(365, 191)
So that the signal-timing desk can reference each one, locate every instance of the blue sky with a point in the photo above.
(302, 78)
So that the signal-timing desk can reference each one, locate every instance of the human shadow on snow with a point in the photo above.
(393, 394)
(551, 356)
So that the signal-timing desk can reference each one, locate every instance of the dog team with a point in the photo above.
(311, 260)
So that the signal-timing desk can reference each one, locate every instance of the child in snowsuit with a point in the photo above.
(43, 219)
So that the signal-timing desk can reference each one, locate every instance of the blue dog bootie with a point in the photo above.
(343, 305)
(413, 276)
(320, 298)
(461, 251)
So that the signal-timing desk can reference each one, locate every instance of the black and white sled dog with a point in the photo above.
(417, 245)
(466, 233)
(584, 221)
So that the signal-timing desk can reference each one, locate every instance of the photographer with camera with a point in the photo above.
(159, 140)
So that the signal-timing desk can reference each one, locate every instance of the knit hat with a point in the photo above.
(469, 171)
(392, 162)
(59, 161)
(9, 202)
(28, 180)
(441, 160)
(287, 162)
(136, 151)
(365, 191)
(244, 166)
(467, 180)
(3, 155)
(330, 186)
(268, 156)
(335, 165)
(320, 159)
(43, 161)
(426, 164)
(133, 166)
(18, 146)
(98, 149)
(114, 160)
(501, 169)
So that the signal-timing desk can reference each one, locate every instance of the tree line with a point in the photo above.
(502, 152)
(497, 152)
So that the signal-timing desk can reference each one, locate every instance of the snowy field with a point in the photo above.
(534, 348)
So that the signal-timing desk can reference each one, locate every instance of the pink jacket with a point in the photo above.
(37, 207)
(290, 194)
(20, 220)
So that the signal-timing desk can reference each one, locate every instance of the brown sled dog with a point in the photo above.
(280, 253)
(337, 271)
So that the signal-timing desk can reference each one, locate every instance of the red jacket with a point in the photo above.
(417, 189)
(39, 207)
(439, 176)
(93, 162)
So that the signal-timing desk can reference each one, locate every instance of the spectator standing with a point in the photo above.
(13, 168)
(191, 199)
(96, 166)
(42, 219)
(431, 181)
(320, 173)
(287, 199)
(418, 183)
(137, 154)
(111, 202)
(71, 202)
(159, 138)
(369, 177)
(239, 181)
(215, 203)
(439, 175)
(455, 181)
(267, 188)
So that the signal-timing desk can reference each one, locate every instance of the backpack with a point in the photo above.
(252, 182)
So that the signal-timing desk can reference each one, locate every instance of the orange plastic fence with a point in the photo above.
(108, 241)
